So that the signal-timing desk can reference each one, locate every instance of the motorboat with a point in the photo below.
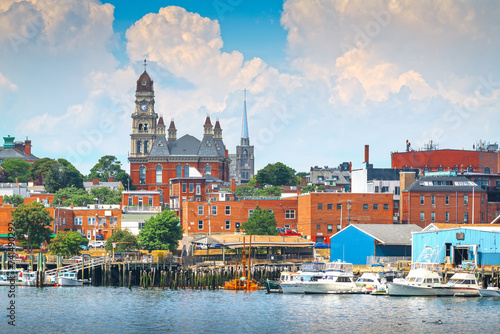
(68, 278)
(420, 281)
(370, 282)
(274, 286)
(490, 292)
(19, 276)
(338, 278)
(461, 284)
(311, 271)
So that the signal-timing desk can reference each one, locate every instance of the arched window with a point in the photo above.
(139, 147)
(440, 169)
(426, 170)
(457, 169)
(208, 169)
(244, 158)
(140, 127)
(145, 127)
(146, 146)
(158, 174)
(186, 171)
(178, 171)
(142, 175)
(470, 169)
(487, 170)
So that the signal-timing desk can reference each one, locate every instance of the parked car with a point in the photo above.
(10, 247)
(97, 244)
(321, 245)
(78, 259)
(290, 233)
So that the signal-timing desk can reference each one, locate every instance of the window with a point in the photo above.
(482, 199)
(365, 206)
(320, 206)
(115, 220)
(422, 216)
(78, 220)
(208, 169)
(339, 227)
(375, 206)
(150, 201)
(228, 210)
(466, 200)
(186, 171)
(422, 201)
(178, 171)
(200, 209)
(440, 169)
(214, 210)
(191, 187)
(130, 201)
(140, 202)
(318, 227)
(145, 127)
(376, 189)
(487, 170)
(386, 206)
(470, 169)
(396, 190)
(329, 206)
(447, 200)
(482, 217)
(433, 216)
(457, 170)
(228, 224)
(385, 189)
(426, 170)
(446, 216)
(244, 158)
(141, 226)
(146, 146)
(91, 221)
(89, 235)
(102, 220)
(250, 212)
(198, 189)
(158, 174)
(139, 147)
(339, 206)
(329, 228)
(184, 187)
(433, 199)
(466, 218)
(200, 224)
(142, 175)
(289, 214)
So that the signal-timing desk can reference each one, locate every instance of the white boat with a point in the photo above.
(310, 271)
(419, 282)
(68, 278)
(490, 292)
(462, 284)
(20, 277)
(338, 278)
(370, 282)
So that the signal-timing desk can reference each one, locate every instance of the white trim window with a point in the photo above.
(78, 220)
(289, 214)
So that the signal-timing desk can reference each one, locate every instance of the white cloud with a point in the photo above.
(5, 82)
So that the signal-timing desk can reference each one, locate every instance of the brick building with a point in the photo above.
(16, 150)
(320, 215)
(156, 158)
(210, 217)
(437, 198)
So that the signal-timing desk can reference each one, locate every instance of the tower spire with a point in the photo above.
(145, 65)
(245, 140)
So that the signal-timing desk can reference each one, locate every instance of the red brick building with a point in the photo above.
(156, 158)
(321, 215)
(227, 216)
(443, 199)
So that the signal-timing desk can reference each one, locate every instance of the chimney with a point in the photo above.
(72, 205)
(350, 167)
(227, 154)
(111, 179)
(95, 181)
(27, 146)
(367, 154)
(233, 186)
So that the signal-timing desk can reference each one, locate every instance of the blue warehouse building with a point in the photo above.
(357, 242)
(480, 244)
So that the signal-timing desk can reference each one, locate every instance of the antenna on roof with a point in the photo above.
(145, 65)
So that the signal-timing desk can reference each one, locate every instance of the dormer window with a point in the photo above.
(144, 82)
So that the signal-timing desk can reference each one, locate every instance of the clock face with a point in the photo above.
(144, 82)
(144, 107)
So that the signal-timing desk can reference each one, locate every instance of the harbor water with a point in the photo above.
(122, 310)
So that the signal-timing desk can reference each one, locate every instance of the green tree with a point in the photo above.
(4, 177)
(71, 195)
(107, 166)
(15, 200)
(278, 174)
(125, 240)
(33, 220)
(17, 169)
(106, 196)
(246, 191)
(63, 175)
(260, 222)
(125, 179)
(270, 191)
(161, 232)
(41, 168)
(67, 243)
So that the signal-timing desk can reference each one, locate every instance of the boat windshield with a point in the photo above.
(313, 266)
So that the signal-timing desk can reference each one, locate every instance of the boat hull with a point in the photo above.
(63, 281)
(400, 289)
(456, 291)
(489, 293)
(273, 286)
(323, 288)
(292, 287)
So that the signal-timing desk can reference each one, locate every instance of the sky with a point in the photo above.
(323, 77)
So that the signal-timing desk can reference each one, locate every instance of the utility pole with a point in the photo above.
(349, 210)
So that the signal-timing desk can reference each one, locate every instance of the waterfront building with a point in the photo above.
(477, 243)
(157, 155)
(138, 206)
(443, 197)
(364, 244)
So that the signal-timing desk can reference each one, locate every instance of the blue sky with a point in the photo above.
(324, 78)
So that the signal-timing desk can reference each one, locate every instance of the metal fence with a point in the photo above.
(386, 260)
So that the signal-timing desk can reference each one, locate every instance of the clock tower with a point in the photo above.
(144, 118)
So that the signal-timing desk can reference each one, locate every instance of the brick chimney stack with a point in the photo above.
(367, 154)
(27, 146)
(233, 186)
(111, 179)
(95, 181)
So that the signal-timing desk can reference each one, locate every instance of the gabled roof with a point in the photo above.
(12, 153)
(220, 147)
(186, 145)
(160, 147)
(207, 147)
(419, 185)
(387, 234)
